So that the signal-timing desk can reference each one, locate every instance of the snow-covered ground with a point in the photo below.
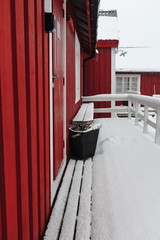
(126, 183)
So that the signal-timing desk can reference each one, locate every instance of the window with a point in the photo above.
(125, 83)
(77, 69)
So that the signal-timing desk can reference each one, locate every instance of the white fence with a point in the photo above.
(134, 103)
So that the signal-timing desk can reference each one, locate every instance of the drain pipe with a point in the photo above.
(84, 67)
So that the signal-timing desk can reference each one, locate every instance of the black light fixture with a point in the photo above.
(50, 22)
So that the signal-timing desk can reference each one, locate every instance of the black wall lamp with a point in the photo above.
(50, 22)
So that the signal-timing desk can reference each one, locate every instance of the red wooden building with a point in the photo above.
(40, 92)
(100, 73)
(145, 81)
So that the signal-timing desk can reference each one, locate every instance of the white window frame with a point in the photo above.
(77, 68)
(130, 76)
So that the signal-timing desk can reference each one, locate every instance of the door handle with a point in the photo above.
(55, 76)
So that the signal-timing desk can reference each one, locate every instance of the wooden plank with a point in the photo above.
(40, 112)
(31, 116)
(7, 111)
(83, 228)
(46, 117)
(108, 110)
(69, 220)
(58, 87)
(89, 113)
(105, 97)
(1, 227)
(54, 225)
(21, 122)
(80, 115)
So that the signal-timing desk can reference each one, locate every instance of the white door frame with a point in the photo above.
(55, 183)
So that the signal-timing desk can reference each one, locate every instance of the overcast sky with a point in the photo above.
(138, 20)
(139, 26)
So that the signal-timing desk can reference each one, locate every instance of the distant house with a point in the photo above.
(119, 70)
(100, 74)
(145, 81)
(139, 70)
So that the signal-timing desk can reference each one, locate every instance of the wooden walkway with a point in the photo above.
(126, 183)
(71, 216)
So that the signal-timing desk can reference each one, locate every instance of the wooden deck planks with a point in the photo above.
(58, 210)
(71, 215)
(83, 229)
(69, 220)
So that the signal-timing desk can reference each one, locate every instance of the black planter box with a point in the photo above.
(83, 144)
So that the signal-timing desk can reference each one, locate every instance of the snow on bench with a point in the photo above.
(85, 114)
(71, 215)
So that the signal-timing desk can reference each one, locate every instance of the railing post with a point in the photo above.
(145, 126)
(113, 114)
(129, 108)
(136, 112)
(157, 136)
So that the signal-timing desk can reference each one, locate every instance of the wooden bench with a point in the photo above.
(71, 215)
(85, 114)
(84, 133)
(84, 117)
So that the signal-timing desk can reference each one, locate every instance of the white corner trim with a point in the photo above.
(77, 68)
(113, 77)
(113, 71)
(47, 5)
(51, 111)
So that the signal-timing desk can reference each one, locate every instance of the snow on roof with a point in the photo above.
(108, 25)
(138, 70)
(139, 59)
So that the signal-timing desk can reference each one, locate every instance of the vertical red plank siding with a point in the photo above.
(40, 107)
(45, 57)
(24, 121)
(98, 76)
(20, 118)
(32, 117)
(72, 107)
(8, 133)
(149, 80)
(1, 227)
(3, 224)
(58, 87)
(46, 120)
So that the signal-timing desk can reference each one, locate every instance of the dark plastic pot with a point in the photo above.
(83, 144)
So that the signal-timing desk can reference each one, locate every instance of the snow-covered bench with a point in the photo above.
(84, 114)
(84, 133)
(84, 117)
(71, 215)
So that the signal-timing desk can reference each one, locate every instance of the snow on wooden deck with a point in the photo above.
(71, 214)
(58, 210)
(126, 184)
(84, 215)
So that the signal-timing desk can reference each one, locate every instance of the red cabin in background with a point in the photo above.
(147, 82)
(100, 71)
(40, 92)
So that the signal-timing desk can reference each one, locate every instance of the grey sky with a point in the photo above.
(139, 22)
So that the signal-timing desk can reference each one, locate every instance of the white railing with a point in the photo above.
(134, 103)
